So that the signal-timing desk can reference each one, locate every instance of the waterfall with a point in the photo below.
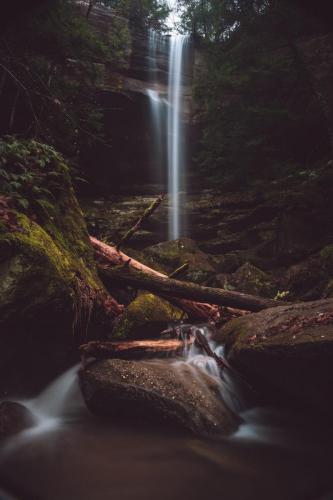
(170, 122)
(176, 139)
(156, 105)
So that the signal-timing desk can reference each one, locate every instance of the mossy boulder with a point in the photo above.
(50, 292)
(250, 279)
(286, 353)
(40, 278)
(146, 317)
(173, 254)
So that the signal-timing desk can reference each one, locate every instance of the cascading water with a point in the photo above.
(233, 390)
(167, 119)
(157, 105)
(176, 140)
(61, 397)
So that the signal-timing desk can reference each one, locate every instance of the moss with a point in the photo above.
(145, 316)
(47, 260)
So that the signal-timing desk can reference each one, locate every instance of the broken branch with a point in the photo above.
(147, 213)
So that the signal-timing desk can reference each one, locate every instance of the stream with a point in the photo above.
(69, 454)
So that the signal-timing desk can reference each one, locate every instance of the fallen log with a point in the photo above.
(134, 349)
(185, 290)
(107, 256)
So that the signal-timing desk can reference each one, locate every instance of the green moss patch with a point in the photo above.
(145, 317)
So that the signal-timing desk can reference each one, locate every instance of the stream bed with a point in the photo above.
(71, 455)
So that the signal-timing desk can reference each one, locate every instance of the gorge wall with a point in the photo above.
(122, 95)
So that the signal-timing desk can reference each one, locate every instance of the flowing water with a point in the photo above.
(167, 113)
(157, 106)
(70, 455)
(176, 137)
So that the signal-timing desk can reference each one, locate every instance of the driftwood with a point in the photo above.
(185, 290)
(147, 213)
(131, 349)
(108, 256)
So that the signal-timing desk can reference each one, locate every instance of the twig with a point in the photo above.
(179, 270)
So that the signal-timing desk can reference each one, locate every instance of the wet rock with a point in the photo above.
(310, 278)
(301, 231)
(14, 418)
(155, 393)
(252, 218)
(146, 317)
(286, 353)
(250, 279)
(228, 263)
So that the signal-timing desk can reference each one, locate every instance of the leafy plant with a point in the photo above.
(31, 174)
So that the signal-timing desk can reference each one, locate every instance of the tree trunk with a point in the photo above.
(13, 111)
(186, 290)
(90, 7)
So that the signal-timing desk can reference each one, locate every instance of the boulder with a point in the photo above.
(173, 254)
(49, 286)
(252, 280)
(157, 393)
(146, 317)
(14, 418)
(286, 353)
(310, 278)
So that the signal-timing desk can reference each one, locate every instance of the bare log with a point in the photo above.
(132, 349)
(108, 256)
(147, 213)
(186, 290)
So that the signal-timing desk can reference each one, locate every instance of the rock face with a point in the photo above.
(286, 353)
(14, 418)
(155, 393)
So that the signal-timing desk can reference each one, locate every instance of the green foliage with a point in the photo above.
(143, 14)
(31, 174)
(282, 294)
(51, 59)
(257, 103)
